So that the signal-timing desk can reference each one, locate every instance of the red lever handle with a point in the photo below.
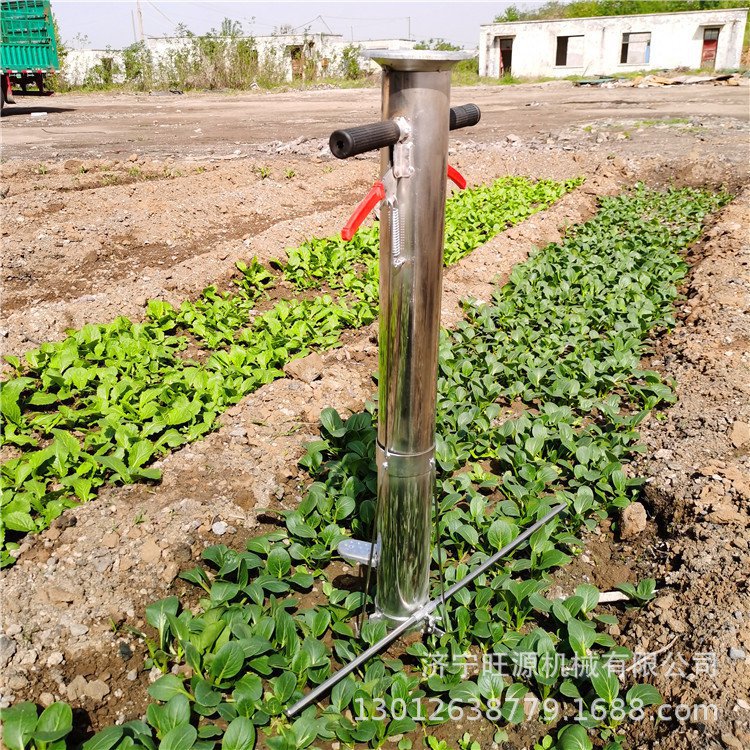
(376, 194)
(455, 176)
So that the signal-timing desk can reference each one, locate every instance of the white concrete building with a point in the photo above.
(607, 45)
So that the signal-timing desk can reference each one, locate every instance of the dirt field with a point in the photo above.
(109, 201)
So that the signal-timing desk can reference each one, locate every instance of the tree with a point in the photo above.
(584, 8)
(437, 44)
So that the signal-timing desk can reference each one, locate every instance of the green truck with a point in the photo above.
(28, 49)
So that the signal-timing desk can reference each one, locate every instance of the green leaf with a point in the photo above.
(227, 662)
(18, 521)
(578, 637)
(175, 712)
(491, 684)
(648, 695)
(166, 687)
(105, 739)
(19, 722)
(332, 423)
(54, 723)
(590, 596)
(512, 709)
(284, 686)
(140, 452)
(605, 684)
(279, 562)
(645, 589)
(501, 533)
(465, 692)
(179, 738)
(573, 737)
(239, 735)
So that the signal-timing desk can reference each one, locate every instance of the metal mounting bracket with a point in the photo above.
(359, 552)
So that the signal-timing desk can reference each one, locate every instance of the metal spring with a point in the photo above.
(396, 236)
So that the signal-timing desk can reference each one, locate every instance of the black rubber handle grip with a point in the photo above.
(464, 116)
(353, 141)
(358, 140)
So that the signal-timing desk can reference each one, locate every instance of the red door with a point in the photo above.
(710, 43)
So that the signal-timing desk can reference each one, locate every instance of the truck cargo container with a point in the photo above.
(28, 48)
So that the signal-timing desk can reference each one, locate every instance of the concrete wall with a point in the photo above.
(79, 64)
(323, 52)
(676, 41)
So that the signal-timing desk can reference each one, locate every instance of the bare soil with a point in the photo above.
(111, 200)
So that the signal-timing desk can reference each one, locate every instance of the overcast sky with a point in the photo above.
(105, 23)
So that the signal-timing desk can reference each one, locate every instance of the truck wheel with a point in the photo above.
(7, 93)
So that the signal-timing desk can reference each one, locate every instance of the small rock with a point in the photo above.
(73, 166)
(65, 521)
(111, 540)
(740, 434)
(633, 521)
(220, 528)
(730, 741)
(46, 699)
(737, 654)
(743, 704)
(30, 657)
(170, 572)
(725, 513)
(7, 650)
(55, 658)
(132, 675)
(78, 629)
(76, 688)
(307, 369)
(664, 602)
(102, 564)
(97, 689)
(150, 551)
(59, 595)
(180, 552)
(124, 650)
(512, 138)
(17, 681)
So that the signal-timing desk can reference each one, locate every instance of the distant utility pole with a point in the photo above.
(408, 33)
(140, 19)
(132, 20)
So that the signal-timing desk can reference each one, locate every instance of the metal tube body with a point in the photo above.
(416, 88)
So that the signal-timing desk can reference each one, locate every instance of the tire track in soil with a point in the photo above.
(106, 566)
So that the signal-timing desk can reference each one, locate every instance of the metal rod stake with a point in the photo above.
(420, 615)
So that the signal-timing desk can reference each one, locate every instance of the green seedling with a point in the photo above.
(641, 594)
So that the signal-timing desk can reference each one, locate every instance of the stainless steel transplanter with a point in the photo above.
(413, 138)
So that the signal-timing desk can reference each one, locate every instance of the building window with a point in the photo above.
(711, 35)
(569, 52)
(636, 48)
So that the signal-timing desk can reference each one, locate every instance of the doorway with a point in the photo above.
(298, 62)
(710, 43)
(504, 45)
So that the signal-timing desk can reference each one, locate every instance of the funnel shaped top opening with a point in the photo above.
(416, 60)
